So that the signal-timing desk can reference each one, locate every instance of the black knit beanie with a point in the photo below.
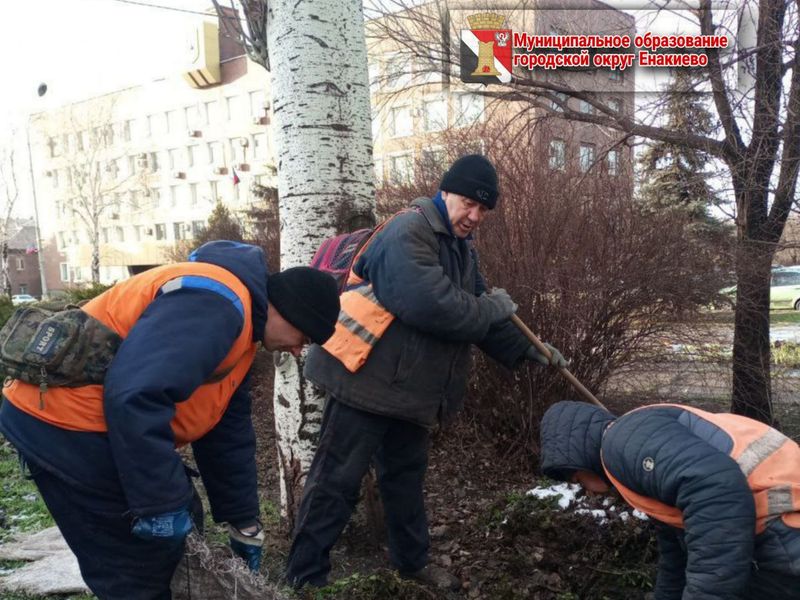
(472, 176)
(308, 299)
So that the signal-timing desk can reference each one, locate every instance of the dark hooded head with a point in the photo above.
(571, 434)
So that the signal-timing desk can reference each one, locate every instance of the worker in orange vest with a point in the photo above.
(723, 490)
(104, 456)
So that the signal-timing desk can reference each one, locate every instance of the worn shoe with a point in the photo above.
(434, 576)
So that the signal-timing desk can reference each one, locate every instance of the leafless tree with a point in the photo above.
(8, 182)
(94, 170)
(755, 95)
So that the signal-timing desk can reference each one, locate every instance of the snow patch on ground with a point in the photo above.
(571, 495)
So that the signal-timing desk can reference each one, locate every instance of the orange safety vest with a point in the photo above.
(362, 318)
(81, 408)
(769, 460)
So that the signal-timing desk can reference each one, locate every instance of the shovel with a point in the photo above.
(579, 387)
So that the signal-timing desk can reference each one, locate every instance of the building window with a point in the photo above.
(400, 169)
(193, 194)
(213, 112)
(257, 104)
(616, 75)
(401, 124)
(434, 114)
(161, 231)
(195, 156)
(586, 108)
(374, 77)
(126, 130)
(587, 155)
(119, 234)
(173, 121)
(378, 172)
(23, 288)
(213, 191)
(63, 271)
(20, 263)
(558, 155)
(612, 161)
(398, 71)
(177, 231)
(236, 108)
(469, 109)
(192, 116)
(173, 196)
(432, 160)
(198, 227)
(137, 233)
(260, 145)
(615, 104)
(427, 70)
(563, 99)
(174, 160)
(215, 154)
(77, 274)
(104, 234)
(54, 175)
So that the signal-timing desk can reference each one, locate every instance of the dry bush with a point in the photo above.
(593, 274)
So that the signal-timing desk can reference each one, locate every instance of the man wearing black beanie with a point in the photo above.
(397, 367)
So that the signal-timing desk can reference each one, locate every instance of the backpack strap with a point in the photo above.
(352, 278)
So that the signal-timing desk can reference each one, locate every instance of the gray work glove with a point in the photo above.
(556, 358)
(498, 304)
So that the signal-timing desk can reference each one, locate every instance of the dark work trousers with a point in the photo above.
(114, 564)
(349, 440)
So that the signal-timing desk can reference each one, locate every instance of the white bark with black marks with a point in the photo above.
(320, 99)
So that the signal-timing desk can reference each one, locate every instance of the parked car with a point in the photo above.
(18, 299)
(784, 290)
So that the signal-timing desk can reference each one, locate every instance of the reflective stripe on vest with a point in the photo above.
(361, 323)
(362, 318)
(769, 460)
(81, 408)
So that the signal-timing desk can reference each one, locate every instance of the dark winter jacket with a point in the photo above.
(428, 278)
(674, 456)
(193, 329)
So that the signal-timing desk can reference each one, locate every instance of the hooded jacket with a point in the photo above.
(670, 454)
(174, 346)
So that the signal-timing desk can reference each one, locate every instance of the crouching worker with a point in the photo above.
(724, 491)
(104, 456)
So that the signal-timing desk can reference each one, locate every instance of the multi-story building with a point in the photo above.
(417, 93)
(157, 157)
(23, 263)
(140, 169)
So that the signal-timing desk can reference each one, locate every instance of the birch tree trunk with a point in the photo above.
(323, 145)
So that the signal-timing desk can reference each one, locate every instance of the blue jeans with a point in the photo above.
(349, 440)
(114, 564)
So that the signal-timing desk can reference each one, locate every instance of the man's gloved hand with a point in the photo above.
(246, 543)
(556, 358)
(499, 305)
(172, 526)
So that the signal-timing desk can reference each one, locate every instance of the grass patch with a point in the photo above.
(784, 317)
(21, 507)
(382, 584)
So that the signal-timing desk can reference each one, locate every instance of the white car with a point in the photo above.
(18, 299)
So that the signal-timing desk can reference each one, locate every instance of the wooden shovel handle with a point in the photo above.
(579, 387)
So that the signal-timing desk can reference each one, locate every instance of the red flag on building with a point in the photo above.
(236, 179)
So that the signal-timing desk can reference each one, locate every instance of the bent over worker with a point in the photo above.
(724, 491)
(397, 366)
(103, 456)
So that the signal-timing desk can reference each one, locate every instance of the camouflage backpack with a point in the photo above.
(56, 347)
